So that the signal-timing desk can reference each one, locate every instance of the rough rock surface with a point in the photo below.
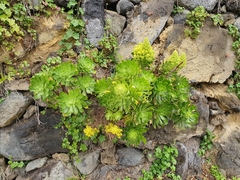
(89, 161)
(13, 108)
(210, 58)
(191, 4)
(123, 6)
(129, 156)
(35, 164)
(94, 20)
(228, 144)
(47, 42)
(53, 170)
(228, 102)
(27, 140)
(116, 22)
(147, 20)
(189, 162)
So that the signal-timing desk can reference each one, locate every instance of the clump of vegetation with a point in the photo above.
(133, 97)
(196, 19)
(15, 164)
(214, 170)
(234, 32)
(164, 165)
(206, 143)
(178, 9)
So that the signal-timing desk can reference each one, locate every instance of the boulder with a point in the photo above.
(210, 57)
(191, 4)
(116, 22)
(123, 6)
(94, 20)
(129, 156)
(89, 162)
(13, 108)
(147, 20)
(27, 139)
(189, 162)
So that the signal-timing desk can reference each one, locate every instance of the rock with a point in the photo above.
(237, 23)
(148, 21)
(61, 3)
(116, 22)
(108, 156)
(201, 102)
(27, 140)
(233, 6)
(135, 1)
(123, 6)
(118, 171)
(13, 108)
(217, 119)
(227, 139)
(180, 18)
(36, 164)
(31, 110)
(129, 156)
(94, 20)
(110, 1)
(228, 102)
(47, 42)
(17, 85)
(206, 59)
(228, 19)
(19, 48)
(191, 4)
(189, 162)
(61, 157)
(89, 162)
(52, 170)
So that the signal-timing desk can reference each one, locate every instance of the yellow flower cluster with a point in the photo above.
(89, 131)
(114, 129)
(143, 52)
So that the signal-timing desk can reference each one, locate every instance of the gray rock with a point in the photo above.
(129, 156)
(191, 4)
(135, 1)
(201, 102)
(180, 18)
(94, 19)
(89, 162)
(52, 170)
(148, 20)
(116, 22)
(27, 140)
(13, 108)
(123, 6)
(206, 62)
(227, 141)
(237, 23)
(232, 6)
(189, 162)
(36, 164)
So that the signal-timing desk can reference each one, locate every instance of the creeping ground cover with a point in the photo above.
(133, 98)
